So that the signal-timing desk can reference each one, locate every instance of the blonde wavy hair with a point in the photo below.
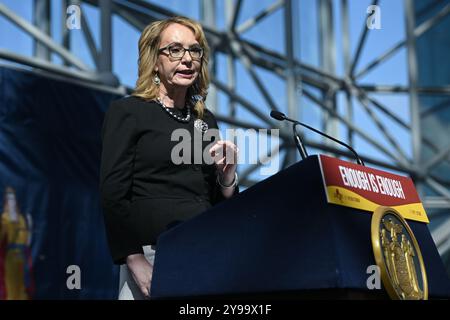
(149, 43)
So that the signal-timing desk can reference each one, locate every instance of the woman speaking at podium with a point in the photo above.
(145, 188)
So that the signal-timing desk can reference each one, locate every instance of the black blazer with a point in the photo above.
(143, 192)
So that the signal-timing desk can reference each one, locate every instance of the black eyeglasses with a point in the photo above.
(177, 51)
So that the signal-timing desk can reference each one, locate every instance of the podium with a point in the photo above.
(279, 239)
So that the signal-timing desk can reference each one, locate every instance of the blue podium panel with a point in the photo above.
(278, 236)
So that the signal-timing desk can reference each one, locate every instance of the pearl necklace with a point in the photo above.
(177, 117)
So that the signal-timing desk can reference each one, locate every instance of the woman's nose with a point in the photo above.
(186, 57)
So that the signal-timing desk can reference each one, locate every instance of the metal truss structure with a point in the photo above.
(294, 73)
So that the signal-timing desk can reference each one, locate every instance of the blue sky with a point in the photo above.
(269, 33)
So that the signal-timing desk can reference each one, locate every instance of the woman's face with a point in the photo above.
(177, 72)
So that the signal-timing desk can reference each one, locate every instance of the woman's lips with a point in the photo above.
(186, 75)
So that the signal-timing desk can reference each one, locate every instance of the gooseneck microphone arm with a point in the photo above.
(298, 142)
(281, 117)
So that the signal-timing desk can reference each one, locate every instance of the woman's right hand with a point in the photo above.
(141, 270)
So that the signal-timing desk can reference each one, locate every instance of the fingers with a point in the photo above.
(145, 286)
(224, 152)
(148, 286)
(142, 272)
(225, 160)
(221, 161)
(145, 291)
(223, 144)
(215, 149)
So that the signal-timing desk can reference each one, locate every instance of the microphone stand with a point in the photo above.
(299, 143)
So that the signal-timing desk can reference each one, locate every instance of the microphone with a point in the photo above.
(281, 117)
(298, 141)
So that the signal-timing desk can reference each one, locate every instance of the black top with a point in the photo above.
(143, 191)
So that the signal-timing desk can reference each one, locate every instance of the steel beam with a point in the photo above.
(44, 39)
(41, 19)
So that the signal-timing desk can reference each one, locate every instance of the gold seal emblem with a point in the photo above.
(398, 256)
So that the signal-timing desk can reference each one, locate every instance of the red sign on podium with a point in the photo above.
(364, 188)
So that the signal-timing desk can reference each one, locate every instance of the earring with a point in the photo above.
(156, 79)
